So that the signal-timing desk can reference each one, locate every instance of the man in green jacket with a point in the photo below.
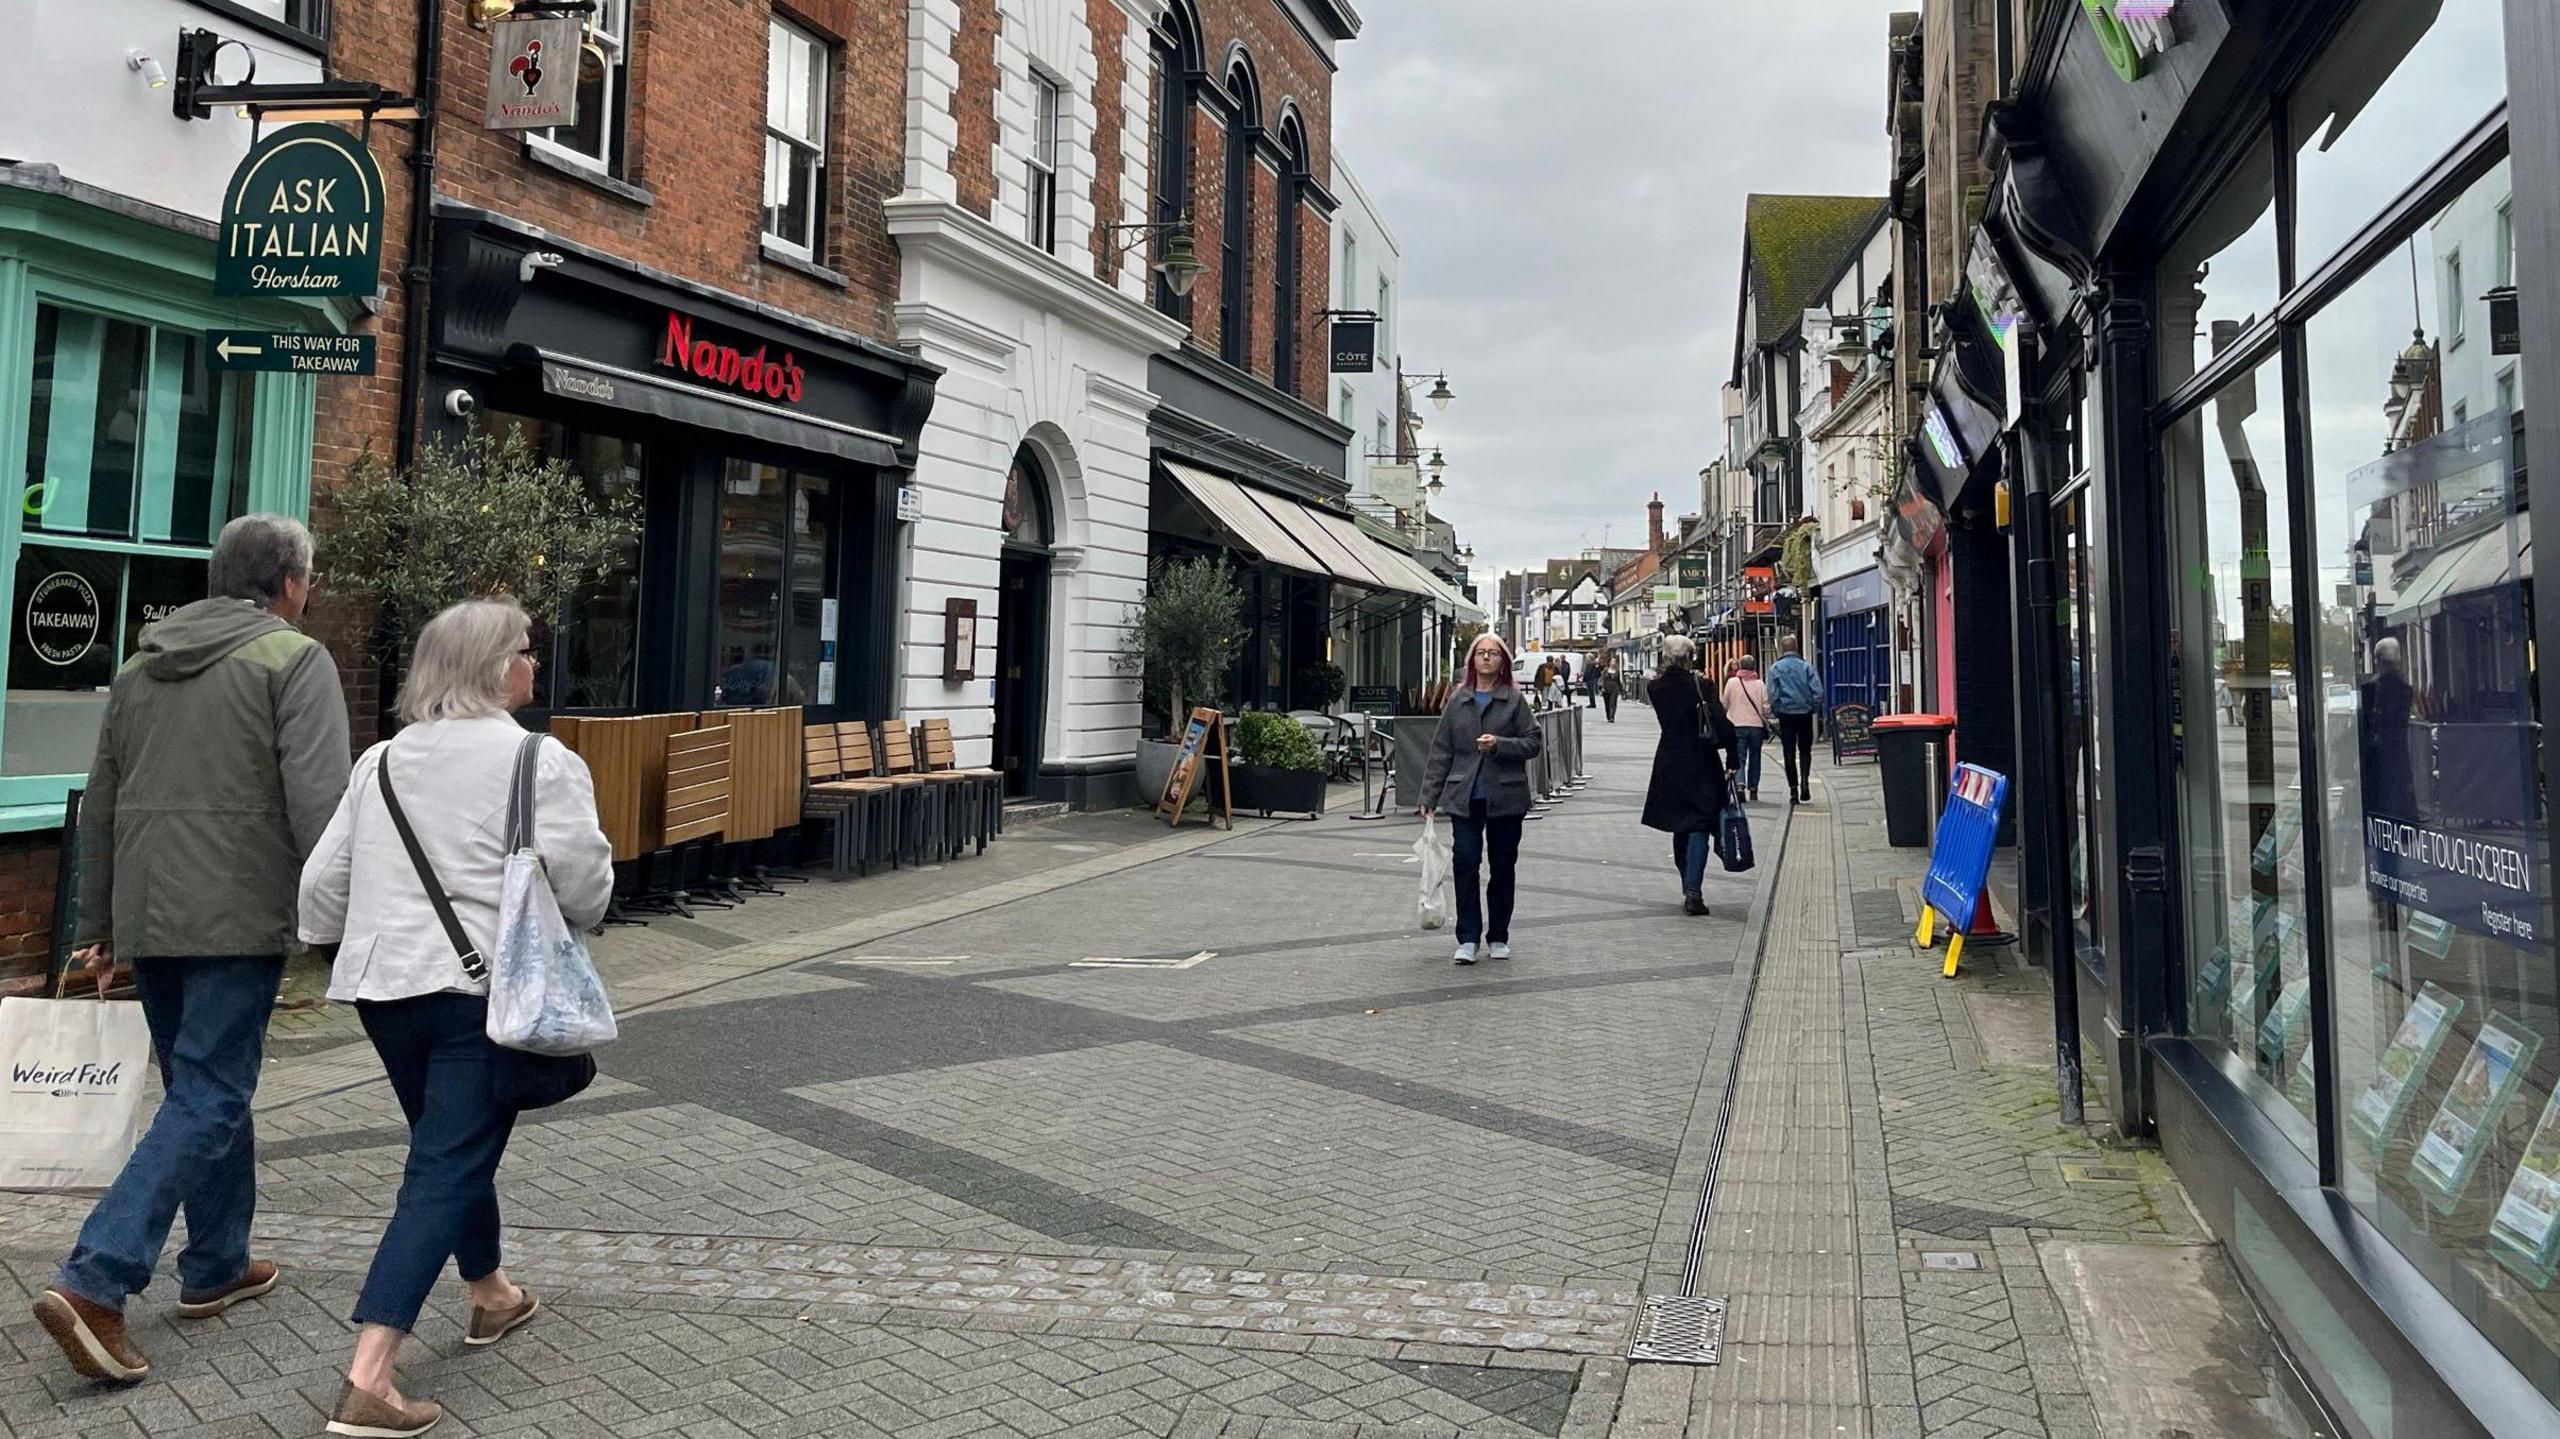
(223, 754)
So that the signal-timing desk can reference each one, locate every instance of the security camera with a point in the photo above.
(459, 403)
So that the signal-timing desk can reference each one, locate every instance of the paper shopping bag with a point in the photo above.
(72, 1073)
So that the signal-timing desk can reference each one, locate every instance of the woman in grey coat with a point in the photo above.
(1479, 773)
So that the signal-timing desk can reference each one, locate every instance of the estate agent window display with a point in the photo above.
(2355, 613)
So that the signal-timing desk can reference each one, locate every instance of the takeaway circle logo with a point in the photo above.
(527, 68)
(63, 615)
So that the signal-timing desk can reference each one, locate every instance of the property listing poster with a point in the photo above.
(2525, 1232)
(2469, 1113)
(2403, 1063)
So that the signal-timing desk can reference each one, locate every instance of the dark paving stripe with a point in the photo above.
(1529, 860)
(1878, 914)
(1536, 1399)
(998, 1189)
(1564, 1134)
(1484, 988)
(1952, 1221)
(308, 1146)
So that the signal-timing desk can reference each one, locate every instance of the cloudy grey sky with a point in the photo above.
(1566, 179)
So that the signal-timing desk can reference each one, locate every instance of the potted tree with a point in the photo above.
(1278, 766)
(489, 516)
(1182, 640)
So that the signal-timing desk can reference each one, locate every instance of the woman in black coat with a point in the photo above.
(1478, 774)
(1687, 793)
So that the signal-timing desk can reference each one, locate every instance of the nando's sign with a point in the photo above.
(302, 216)
(714, 361)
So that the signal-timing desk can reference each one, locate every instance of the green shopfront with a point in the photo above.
(2290, 278)
(127, 454)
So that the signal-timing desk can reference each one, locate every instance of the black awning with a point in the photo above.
(568, 377)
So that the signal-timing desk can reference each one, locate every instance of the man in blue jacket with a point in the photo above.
(1795, 692)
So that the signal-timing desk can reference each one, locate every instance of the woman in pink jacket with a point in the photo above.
(1746, 703)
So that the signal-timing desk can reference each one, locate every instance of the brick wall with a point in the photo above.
(973, 159)
(27, 867)
(1263, 244)
(1111, 71)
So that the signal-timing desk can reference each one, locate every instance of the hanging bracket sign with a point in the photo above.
(302, 216)
(533, 73)
(1355, 346)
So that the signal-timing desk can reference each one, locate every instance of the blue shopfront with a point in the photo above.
(1857, 642)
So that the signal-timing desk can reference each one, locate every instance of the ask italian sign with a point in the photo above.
(302, 216)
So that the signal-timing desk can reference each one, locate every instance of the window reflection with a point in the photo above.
(2446, 991)
(2221, 275)
(594, 643)
(2402, 83)
(2241, 808)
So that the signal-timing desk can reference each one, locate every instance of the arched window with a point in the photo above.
(1235, 246)
(1285, 259)
(1179, 72)
(1026, 503)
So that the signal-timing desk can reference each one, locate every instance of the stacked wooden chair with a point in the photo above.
(859, 809)
(983, 816)
(936, 804)
(700, 788)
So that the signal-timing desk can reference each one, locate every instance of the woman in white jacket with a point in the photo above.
(451, 769)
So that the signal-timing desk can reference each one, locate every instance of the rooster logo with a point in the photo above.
(527, 67)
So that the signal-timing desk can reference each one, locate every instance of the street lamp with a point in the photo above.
(1435, 487)
(1439, 464)
(1180, 268)
(1441, 394)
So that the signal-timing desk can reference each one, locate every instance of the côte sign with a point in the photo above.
(1355, 346)
(302, 216)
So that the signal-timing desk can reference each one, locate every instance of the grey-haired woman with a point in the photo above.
(451, 769)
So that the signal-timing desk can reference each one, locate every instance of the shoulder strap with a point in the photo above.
(469, 953)
(519, 832)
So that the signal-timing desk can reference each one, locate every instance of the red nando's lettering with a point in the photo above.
(728, 365)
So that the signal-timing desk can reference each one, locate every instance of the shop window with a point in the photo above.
(604, 92)
(2457, 324)
(2390, 96)
(2220, 277)
(2237, 707)
(2447, 996)
(777, 596)
(1235, 253)
(1349, 289)
(797, 69)
(137, 455)
(1040, 178)
(593, 644)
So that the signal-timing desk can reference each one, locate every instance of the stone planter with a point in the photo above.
(1155, 766)
(1266, 788)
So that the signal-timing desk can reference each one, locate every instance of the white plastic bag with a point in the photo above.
(72, 1071)
(545, 996)
(1432, 852)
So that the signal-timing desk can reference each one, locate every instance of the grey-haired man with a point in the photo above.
(223, 753)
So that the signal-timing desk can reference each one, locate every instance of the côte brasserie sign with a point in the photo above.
(302, 216)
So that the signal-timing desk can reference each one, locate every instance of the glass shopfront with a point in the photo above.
(2362, 843)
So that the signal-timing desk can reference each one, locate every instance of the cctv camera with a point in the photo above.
(459, 403)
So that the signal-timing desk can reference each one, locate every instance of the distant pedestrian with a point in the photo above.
(1612, 687)
(1795, 692)
(1687, 793)
(1478, 774)
(1746, 703)
(1551, 685)
(223, 748)
(452, 771)
(1591, 683)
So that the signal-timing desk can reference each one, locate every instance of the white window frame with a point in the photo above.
(1386, 317)
(1350, 269)
(796, 149)
(609, 29)
(1040, 166)
(1344, 406)
(2457, 322)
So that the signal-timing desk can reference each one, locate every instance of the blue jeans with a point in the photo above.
(1468, 833)
(208, 1019)
(437, 1051)
(1689, 851)
(1746, 754)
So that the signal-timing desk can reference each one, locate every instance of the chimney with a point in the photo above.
(1653, 525)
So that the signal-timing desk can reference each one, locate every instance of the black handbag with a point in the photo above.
(1733, 832)
(519, 1080)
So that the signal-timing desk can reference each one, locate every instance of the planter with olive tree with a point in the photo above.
(1278, 766)
(491, 516)
(1182, 641)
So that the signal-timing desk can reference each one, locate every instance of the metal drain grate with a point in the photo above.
(1679, 1329)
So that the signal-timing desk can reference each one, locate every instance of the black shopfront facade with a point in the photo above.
(767, 454)
(2282, 278)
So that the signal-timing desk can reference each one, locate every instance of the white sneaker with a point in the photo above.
(1497, 950)
(1466, 954)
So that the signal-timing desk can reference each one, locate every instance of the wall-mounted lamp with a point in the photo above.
(538, 260)
(1440, 395)
(1181, 267)
(1439, 464)
(152, 71)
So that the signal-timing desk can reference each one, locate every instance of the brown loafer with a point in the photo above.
(259, 1278)
(369, 1416)
(488, 1326)
(92, 1337)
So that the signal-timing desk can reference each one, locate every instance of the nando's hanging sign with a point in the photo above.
(707, 359)
(302, 216)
